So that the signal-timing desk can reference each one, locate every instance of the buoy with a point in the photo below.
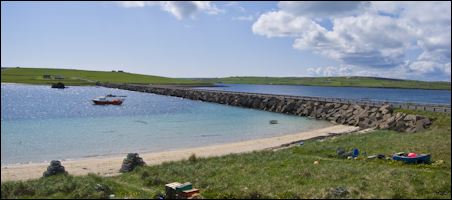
(316, 162)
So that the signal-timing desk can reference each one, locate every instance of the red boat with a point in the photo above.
(106, 101)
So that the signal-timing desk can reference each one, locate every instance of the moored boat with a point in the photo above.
(107, 101)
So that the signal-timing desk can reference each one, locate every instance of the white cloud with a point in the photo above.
(179, 9)
(330, 71)
(244, 18)
(236, 6)
(323, 9)
(372, 36)
(136, 4)
(342, 70)
(283, 24)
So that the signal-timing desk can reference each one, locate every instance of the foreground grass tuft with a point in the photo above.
(287, 173)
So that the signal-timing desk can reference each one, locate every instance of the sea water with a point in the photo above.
(358, 93)
(39, 123)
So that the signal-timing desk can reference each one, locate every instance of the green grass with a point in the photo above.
(83, 77)
(287, 173)
(354, 81)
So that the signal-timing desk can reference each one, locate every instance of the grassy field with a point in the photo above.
(286, 173)
(83, 77)
(355, 81)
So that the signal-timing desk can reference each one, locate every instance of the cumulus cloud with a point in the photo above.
(283, 24)
(179, 9)
(344, 70)
(318, 9)
(330, 71)
(364, 35)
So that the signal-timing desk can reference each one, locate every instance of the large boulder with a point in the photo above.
(411, 117)
(400, 126)
(290, 107)
(422, 123)
(364, 123)
(131, 162)
(54, 168)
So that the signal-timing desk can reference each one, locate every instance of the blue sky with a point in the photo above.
(218, 39)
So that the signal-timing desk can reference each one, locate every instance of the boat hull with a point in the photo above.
(422, 158)
(117, 102)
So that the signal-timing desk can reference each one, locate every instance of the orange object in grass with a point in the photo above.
(412, 155)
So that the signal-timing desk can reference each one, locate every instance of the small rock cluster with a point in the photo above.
(404, 122)
(54, 168)
(366, 116)
(58, 85)
(131, 162)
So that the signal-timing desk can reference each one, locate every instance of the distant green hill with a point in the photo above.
(353, 81)
(83, 77)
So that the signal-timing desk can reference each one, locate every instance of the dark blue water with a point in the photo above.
(380, 94)
(39, 123)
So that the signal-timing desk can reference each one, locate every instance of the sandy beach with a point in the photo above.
(109, 166)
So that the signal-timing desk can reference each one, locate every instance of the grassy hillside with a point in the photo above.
(83, 77)
(335, 81)
(286, 173)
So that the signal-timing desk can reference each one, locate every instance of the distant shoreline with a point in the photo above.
(109, 165)
(349, 86)
(84, 77)
(214, 86)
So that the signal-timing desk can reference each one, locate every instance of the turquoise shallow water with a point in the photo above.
(40, 124)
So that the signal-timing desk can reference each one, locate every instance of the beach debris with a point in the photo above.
(104, 191)
(54, 168)
(339, 192)
(438, 162)
(159, 196)
(273, 121)
(177, 190)
(379, 156)
(355, 153)
(58, 85)
(316, 162)
(412, 158)
(132, 161)
(341, 153)
(101, 188)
